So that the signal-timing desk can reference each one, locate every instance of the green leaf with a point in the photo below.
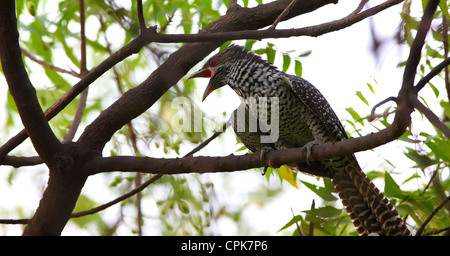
(323, 192)
(294, 220)
(356, 117)
(441, 148)
(269, 173)
(286, 62)
(270, 53)
(31, 7)
(446, 106)
(435, 90)
(422, 161)
(444, 7)
(305, 54)
(19, 7)
(370, 88)
(362, 98)
(391, 188)
(325, 212)
(298, 68)
(249, 44)
(183, 206)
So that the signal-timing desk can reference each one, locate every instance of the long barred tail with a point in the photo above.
(369, 209)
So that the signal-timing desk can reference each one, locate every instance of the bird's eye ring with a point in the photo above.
(212, 62)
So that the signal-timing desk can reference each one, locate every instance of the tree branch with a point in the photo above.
(83, 71)
(19, 161)
(49, 65)
(313, 31)
(140, 15)
(283, 14)
(444, 202)
(430, 116)
(20, 87)
(417, 44)
(445, 43)
(372, 115)
(231, 163)
(434, 72)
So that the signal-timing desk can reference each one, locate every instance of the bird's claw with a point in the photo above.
(309, 146)
(264, 150)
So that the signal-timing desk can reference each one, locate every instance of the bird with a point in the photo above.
(280, 111)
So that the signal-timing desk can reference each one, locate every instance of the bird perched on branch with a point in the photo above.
(285, 111)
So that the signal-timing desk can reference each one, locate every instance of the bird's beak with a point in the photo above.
(204, 73)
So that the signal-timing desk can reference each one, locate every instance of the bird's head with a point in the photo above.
(218, 66)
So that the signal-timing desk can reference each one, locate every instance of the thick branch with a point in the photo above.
(202, 164)
(17, 161)
(20, 87)
(404, 109)
(314, 31)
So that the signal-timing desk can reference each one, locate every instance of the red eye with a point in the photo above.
(212, 62)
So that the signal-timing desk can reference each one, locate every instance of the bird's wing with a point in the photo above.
(317, 103)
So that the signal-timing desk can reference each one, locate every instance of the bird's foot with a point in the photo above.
(264, 150)
(309, 146)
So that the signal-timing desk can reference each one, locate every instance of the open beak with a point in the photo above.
(203, 73)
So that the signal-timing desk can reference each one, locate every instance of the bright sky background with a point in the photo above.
(340, 64)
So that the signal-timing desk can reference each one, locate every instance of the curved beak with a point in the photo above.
(204, 73)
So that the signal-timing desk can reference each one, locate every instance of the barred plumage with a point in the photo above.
(303, 117)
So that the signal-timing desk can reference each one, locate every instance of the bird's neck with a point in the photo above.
(253, 79)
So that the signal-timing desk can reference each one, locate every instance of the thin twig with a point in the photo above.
(445, 43)
(117, 200)
(299, 229)
(83, 71)
(163, 28)
(430, 116)
(372, 115)
(140, 14)
(49, 65)
(360, 7)
(430, 181)
(435, 232)
(311, 224)
(420, 230)
(434, 72)
(283, 14)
